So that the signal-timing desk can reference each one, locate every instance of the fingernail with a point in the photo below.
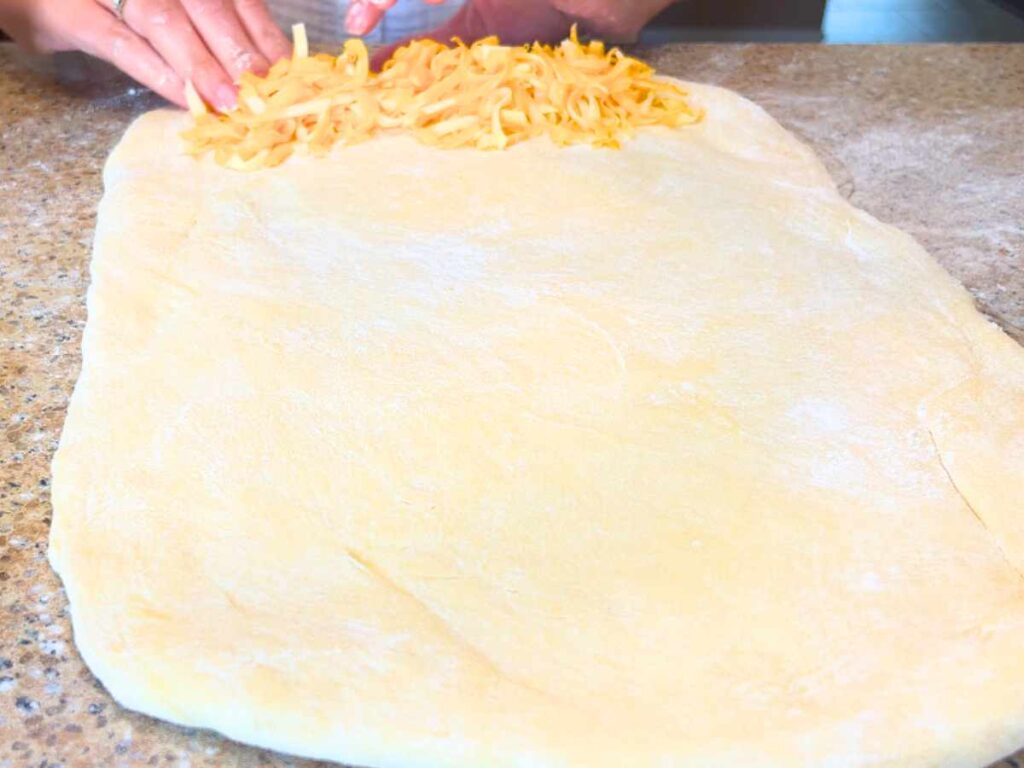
(227, 97)
(357, 20)
(257, 64)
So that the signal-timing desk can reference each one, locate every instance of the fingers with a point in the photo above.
(262, 29)
(220, 28)
(520, 22)
(170, 31)
(99, 33)
(364, 15)
(466, 24)
(210, 42)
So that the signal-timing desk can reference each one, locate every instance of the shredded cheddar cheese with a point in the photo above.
(300, 44)
(485, 95)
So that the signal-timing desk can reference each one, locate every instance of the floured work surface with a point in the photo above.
(542, 457)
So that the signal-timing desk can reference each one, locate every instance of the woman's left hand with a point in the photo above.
(160, 43)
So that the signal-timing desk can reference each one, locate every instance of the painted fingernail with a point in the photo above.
(243, 60)
(358, 19)
(227, 97)
(251, 62)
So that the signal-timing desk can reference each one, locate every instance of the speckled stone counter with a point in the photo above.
(928, 138)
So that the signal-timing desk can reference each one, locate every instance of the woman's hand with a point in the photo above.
(160, 43)
(521, 21)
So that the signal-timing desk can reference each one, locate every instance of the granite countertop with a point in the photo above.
(930, 138)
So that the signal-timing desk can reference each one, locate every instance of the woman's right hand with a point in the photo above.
(160, 43)
(520, 21)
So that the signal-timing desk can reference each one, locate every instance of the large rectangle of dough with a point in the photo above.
(548, 457)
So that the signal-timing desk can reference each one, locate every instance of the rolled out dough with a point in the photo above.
(549, 457)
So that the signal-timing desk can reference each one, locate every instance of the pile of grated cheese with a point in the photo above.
(484, 95)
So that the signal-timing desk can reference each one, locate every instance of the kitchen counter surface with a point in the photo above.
(929, 138)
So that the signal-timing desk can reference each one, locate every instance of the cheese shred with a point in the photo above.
(485, 95)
